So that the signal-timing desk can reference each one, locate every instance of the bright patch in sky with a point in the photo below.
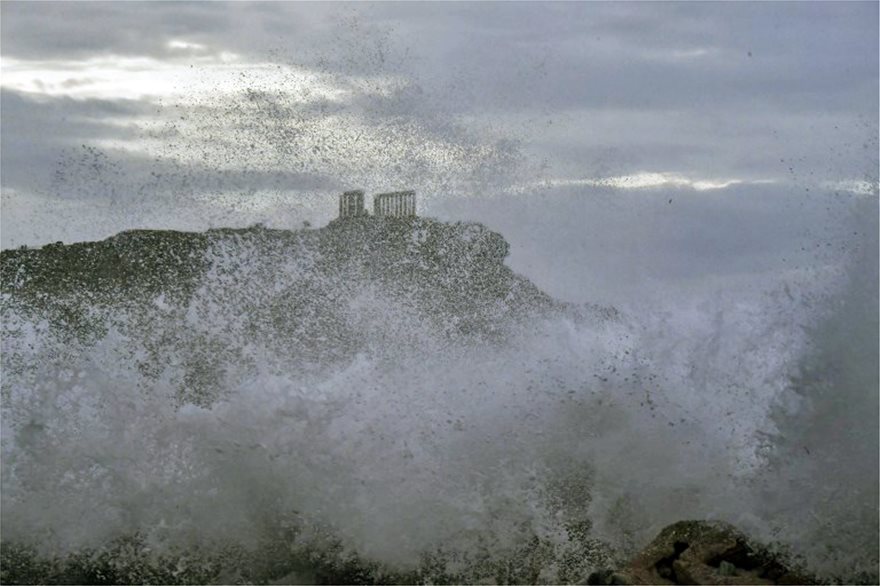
(649, 180)
(185, 45)
(138, 78)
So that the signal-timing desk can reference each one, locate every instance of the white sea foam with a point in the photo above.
(418, 441)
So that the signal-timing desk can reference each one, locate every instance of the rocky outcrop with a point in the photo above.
(443, 268)
(702, 552)
(311, 300)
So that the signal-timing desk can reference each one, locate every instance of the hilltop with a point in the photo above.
(449, 265)
(314, 298)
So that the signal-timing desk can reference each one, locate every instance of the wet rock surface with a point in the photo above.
(702, 552)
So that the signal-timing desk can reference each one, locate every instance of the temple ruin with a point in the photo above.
(351, 204)
(394, 204)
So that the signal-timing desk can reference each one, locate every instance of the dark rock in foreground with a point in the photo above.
(702, 552)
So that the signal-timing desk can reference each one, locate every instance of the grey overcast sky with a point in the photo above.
(187, 115)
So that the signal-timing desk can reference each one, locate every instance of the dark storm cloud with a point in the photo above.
(813, 56)
(556, 56)
(80, 30)
(653, 56)
(37, 130)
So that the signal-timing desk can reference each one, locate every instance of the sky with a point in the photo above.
(589, 117)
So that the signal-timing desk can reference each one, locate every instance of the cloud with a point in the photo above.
(452, 99)
(37, 130)
(62, 30)
(511, 55)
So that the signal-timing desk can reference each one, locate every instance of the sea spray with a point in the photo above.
(390, 394)
(821, 483)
